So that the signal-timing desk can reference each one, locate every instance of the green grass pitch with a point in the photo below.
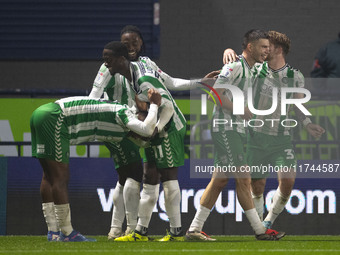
(224, 245)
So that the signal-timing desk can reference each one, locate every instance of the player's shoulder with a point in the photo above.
(143, 68)
(231, 68)
(296, 71)
(103, 68)
(147, 61)
(292, 68)
(103, 74)
(144, 58)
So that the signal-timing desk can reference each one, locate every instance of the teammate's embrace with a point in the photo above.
(163, 157)
(270, 144)
(74, 120)
(126, 154)
(229, 140)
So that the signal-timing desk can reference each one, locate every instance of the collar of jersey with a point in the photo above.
(278, 70)
(246, 63)
(135, 85)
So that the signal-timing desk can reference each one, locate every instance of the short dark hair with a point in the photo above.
(118, 49)
(133, 29)
(252, 36)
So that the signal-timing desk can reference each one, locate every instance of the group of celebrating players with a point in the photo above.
(130, 107)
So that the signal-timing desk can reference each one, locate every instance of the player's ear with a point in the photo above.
(250, 47)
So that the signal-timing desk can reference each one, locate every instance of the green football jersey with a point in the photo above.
(239, 74)
(115, 88)
(89, 119)
(263, 98)
(144, 78)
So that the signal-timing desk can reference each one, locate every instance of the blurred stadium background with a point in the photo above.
(52, 49)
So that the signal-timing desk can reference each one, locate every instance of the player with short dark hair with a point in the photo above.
(163, 157)
(72, 121)
(229, 140)
(126, 155)
(271, 144)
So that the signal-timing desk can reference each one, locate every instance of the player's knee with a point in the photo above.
(60, 186)
(257, 186)
(219, 183)
(151, 179)
(286, 185)
(169, 174)
(150, 175)
(243, 183)
(117, 193)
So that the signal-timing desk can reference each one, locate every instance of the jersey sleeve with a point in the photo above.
(100, 82)
(166, 109)
(300, 80)
(228, 73)
(227, 76)
(170, 82)
(155, 67)
(143, 128)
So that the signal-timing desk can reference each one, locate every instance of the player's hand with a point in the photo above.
(229, 56)
(213, 74)
(315, 130)
(247, 114)
(154, 97)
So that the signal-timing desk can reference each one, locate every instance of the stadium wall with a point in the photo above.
(193, 37)
(312, 209)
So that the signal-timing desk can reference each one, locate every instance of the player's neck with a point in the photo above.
(126, 71)
(277, 62)
(251, 62)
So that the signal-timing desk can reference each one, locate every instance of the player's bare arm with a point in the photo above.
(313, 129)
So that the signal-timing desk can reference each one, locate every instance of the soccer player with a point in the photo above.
(126, 154)
(75, 120)
(229, 140)
(164, 156)
(270, 144)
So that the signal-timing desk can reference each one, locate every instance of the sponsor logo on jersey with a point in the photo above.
(99, 77)
(228, 71)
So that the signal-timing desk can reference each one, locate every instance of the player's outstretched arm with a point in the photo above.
(315, 130)
(212, 74)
